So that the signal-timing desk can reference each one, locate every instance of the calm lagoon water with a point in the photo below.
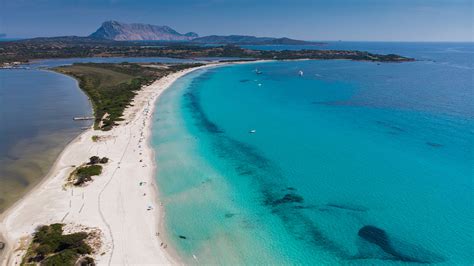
(36, 111)
(347, 145)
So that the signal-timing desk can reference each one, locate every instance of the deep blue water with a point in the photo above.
(457, 55)
(347, 145)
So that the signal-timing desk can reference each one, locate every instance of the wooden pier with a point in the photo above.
(79, 118)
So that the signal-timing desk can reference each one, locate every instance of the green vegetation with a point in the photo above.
(67, 47)
(84, 174)
(51, 247)
(90, 170)
(111, 87)
(95, 138)
(96, 159)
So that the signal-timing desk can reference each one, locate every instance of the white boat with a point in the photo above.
(300, 73)
(252, 131)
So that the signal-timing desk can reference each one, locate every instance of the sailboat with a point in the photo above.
(300, 73)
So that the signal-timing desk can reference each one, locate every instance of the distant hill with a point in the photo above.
(117, 31)
(3, 35)
(248, 40)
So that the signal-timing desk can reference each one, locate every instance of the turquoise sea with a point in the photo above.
(351, 163)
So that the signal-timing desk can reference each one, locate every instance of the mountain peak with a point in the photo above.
(119, 31)
(191, 34)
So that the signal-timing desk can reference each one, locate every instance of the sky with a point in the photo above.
(347, 20)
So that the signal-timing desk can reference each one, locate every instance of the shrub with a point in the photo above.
(82, 179)
(88, 171)
(67, 257)
(86, 261)
(94, 160)
(84, 174)
(51, 247)
(43, 250)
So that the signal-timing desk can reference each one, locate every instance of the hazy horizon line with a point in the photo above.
(8, 37)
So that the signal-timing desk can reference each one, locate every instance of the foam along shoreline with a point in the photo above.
(122, 202)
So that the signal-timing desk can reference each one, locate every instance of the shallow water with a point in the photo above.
(347, 145)
(36, 110)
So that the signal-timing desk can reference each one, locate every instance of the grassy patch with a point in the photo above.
(95, 138)
(85, 173)
(51, 247)
(111, 87)
(89, 170)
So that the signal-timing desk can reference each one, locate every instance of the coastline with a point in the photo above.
(113, 202)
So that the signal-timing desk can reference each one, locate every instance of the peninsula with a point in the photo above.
(112, 87)
(111, 214)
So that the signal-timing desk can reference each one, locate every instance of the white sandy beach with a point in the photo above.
(114, 202)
